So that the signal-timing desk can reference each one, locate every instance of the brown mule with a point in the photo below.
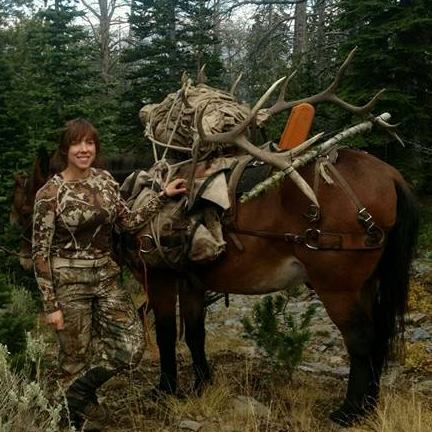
(363, 286)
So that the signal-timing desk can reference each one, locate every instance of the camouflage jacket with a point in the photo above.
(74, 219)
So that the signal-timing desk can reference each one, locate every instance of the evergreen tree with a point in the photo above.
(168, 37)
(393, 39)
(269, 49)
(200, 33)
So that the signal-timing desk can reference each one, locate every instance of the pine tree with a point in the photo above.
(200, 33)
(168, 37)
(269, 49)
(393, 39)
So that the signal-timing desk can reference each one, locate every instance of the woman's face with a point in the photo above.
(81, 154)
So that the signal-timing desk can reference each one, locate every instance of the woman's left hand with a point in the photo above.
(175, 187)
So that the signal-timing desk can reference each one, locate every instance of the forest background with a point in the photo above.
(104, 59)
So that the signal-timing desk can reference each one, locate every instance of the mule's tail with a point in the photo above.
(393, 273)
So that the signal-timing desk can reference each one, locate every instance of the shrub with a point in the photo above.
(276, 331)
(24, 405)
(17, 316)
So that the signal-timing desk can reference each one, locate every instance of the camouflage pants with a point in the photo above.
(96, 308)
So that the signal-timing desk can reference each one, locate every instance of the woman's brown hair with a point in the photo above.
(74, 131)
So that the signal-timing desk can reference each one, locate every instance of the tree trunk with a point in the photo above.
(300, 32)
(105, 39)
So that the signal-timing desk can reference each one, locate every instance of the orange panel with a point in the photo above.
(298, 126)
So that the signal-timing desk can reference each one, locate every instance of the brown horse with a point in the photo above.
(364, 289)
(355, 252)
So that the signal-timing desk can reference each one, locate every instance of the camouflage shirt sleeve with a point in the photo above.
(131, 220)
(43, 231)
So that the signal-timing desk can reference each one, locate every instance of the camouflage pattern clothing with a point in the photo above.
(72, 244)
(74, 219)
(95, 307)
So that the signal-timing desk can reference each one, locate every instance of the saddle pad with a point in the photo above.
(255, 172)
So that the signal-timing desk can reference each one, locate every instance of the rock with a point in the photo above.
(321, 329)
(421, 268)
(246, 406)
(190, 425)
(420, 334)
(335, 360)
(338, 372)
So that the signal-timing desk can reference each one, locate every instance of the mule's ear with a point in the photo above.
(44, 162)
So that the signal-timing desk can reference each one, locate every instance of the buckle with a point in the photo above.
(365, 218)
(312, 236)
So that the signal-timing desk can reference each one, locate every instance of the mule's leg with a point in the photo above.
(353, 315)
(193, 311)
(163, 298)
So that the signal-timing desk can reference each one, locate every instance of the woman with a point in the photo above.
(74, 214)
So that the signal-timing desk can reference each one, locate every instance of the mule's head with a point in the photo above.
(21, 215)
(24, 193)
(22, 201)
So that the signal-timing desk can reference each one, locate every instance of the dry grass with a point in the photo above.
(420, 296)
(300, 406)
(400, 412)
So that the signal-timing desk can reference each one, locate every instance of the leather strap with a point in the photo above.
(317, 240)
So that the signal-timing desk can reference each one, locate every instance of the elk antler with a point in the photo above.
(279, 160)
(183, 93)
(235, 84)
(226, 137)
(201, 77)
(327, 95)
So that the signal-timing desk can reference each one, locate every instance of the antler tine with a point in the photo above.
(282, 92)
(235, 84)
(390, 129)
(201, 78)
(385, 124)
(396, 137)
(184, 78)
(340, 73)
(226, 137)
(329, 95)
(183, 95)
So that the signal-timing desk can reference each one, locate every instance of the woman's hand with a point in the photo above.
(175, 187)
(55, 320)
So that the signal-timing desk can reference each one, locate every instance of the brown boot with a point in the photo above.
(82, 401)
(95, 417)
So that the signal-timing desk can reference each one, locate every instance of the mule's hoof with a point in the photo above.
(346, 417)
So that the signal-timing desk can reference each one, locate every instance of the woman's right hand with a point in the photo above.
(55, 320)
(175, 187)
